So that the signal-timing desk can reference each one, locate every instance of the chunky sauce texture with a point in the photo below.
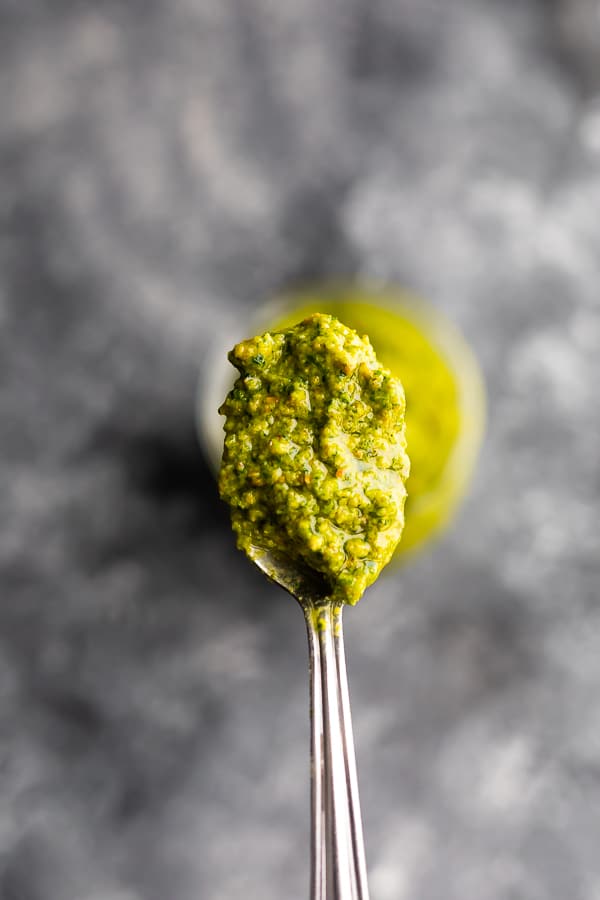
(436, 417)
(314, 462)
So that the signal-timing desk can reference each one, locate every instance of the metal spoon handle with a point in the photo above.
(318, 872)
(338, 870)
(356, 828)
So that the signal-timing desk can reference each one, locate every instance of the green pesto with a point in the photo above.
(436, 422)
(314, 462)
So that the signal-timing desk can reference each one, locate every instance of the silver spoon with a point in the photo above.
(338, 867)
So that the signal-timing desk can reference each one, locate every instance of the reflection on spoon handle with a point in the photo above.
(318, 872)
(356, 829)
(338, 870)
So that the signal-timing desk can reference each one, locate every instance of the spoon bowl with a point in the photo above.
(305, 584)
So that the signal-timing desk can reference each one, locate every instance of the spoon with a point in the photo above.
(338, 867)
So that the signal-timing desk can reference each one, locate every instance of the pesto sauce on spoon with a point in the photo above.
(314, 462)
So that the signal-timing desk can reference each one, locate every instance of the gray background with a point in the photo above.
(166, 165)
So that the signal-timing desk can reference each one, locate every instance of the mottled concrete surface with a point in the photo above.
(165, 165)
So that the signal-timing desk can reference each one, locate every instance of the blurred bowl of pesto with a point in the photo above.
(445, 395)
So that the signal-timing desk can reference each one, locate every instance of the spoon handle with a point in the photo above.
(338, 870)
(318, 872)
(356, 828)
